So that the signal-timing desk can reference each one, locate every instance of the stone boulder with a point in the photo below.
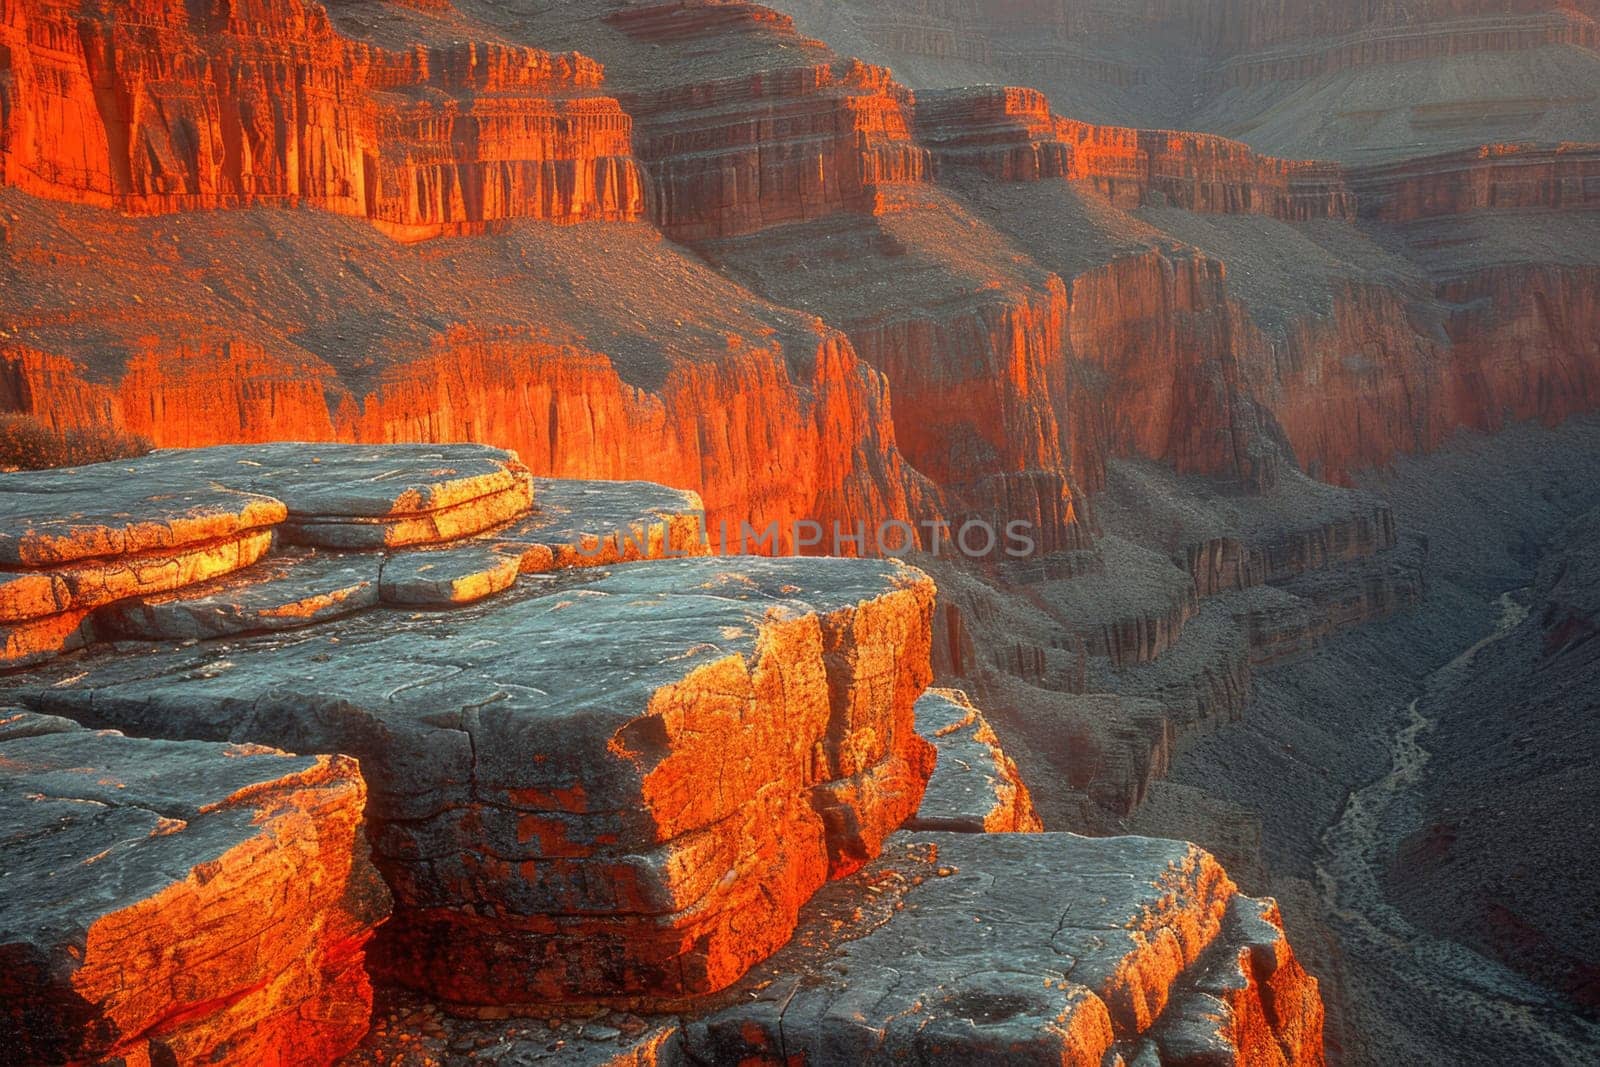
(975, 786)
(179, 902)
(613, 785)
(1025, 948)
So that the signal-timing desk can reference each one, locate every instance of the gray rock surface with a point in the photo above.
(328, 481)
(363, 496)
(282, 592)
(453, 574)
(586, 524)
(176, 901)
(1017, 948)
(151, 504)
(975, 787)
(540, 765)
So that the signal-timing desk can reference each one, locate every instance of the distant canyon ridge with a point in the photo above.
(805, 285)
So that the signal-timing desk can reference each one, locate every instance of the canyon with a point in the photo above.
(1175, 285)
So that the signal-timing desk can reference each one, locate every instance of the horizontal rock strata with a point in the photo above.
(156, 543)
(1021, 947)
(616, 788)
(1010, 134)
(593, 523)
(355, 497)
(78, 539)
(281, 592)
(179, 902)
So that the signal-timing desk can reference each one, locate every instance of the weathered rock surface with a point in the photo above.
(1026, 948)
(538, 765)
(281, 592)
(356, 497)
(975, 786)
(591, 524)
(409, 1031)
(77, 539)
(456, 574)
(153, 540)
(179, 902)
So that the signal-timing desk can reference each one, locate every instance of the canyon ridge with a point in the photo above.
(698, 532)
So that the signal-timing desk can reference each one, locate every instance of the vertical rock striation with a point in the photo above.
(152, 108)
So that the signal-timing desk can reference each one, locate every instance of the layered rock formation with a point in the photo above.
(1010, 134)
(1297, 78)
(1494, 177)
(619, 779)
(156, 109)
(153, 540)
(702, 385)
(1127, 341)
(833, 673)
(180, 902)
(1154, 636)
(1006, 964)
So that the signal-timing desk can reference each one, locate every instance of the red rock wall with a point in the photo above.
(720, 428)
(741, 154)
(1010, 134)
(986, 385)
(161, 107)
(1153, 341)
(1524, 343)
(1375, 379)
(1494, 177)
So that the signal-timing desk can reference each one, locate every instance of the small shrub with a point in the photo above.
(28, 444)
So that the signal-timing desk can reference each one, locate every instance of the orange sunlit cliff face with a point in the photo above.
(461, 328)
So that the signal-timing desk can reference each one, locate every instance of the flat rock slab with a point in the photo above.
(591, 524)
(423, 528)
(1021, 948)
(76, 539)
(357, 496)
(279, 593)
(975, 786)
(186, 902)
(610, 785)
(450, 575)
(55, 517)
(330, 481)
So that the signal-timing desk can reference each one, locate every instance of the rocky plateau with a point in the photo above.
(468, 335)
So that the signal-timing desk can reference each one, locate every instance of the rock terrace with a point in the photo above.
(591, 772)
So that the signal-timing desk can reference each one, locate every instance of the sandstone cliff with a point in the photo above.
(1018, 369)
(153, 108)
